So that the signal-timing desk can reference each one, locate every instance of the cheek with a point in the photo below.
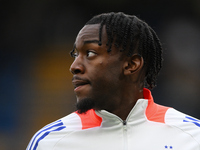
(107, 73)
(106, 69)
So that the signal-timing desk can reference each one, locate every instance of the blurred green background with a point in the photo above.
(35, 40)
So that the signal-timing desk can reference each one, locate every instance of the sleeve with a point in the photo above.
(48, 136)
(189, 125)
(42, 135)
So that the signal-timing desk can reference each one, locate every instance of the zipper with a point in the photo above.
(124, 130)
(125, 135)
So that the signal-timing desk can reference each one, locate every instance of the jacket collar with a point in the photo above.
(136, 115)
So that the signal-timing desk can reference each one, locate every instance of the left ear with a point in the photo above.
(133, 64)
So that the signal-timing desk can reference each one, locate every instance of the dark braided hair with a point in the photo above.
(132, 35)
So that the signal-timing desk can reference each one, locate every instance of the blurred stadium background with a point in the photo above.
(35, 40)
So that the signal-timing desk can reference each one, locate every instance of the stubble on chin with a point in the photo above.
(84, 105)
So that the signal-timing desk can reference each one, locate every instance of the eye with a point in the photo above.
(91, 54)
(74, 55)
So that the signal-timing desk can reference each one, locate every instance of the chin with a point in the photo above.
(84, 105)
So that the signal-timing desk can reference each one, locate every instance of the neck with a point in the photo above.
(126, 102)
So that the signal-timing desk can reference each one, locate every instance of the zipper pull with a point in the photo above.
(124, 122)
(124, 125)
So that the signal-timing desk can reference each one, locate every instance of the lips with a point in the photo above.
(78, 82)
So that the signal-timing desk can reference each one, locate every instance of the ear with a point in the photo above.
(133, 64)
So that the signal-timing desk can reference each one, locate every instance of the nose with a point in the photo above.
(77, 66)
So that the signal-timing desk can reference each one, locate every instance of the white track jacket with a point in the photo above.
(149, 126)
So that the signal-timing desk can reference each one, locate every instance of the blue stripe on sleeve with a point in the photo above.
(45, 134)
(46, 128)
(192, 120)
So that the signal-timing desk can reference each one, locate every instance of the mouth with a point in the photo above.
(79, 82)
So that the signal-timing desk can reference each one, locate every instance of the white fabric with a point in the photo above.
(179, 132)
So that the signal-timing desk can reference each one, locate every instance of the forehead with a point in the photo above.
(90, 33)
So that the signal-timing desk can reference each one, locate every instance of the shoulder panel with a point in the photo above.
(189, 125)
(90, 119)
(154, 112)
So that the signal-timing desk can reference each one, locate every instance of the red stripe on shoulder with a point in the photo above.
(154, 112)
(89, 119)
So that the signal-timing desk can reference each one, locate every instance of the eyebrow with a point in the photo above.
(91, 41)
(85, 42)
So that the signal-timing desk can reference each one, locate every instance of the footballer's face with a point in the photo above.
(96, 72)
